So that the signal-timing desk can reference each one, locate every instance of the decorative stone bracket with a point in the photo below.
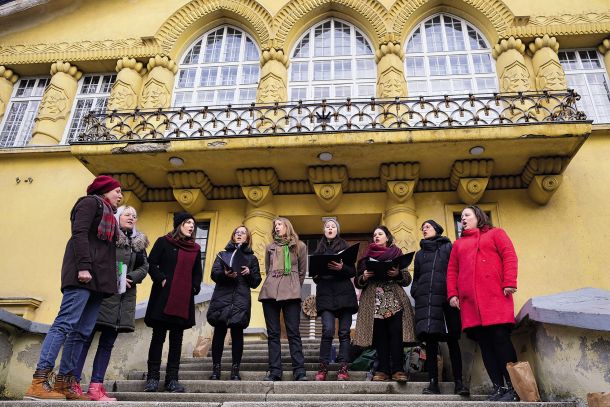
(258, 184)
(328, 182)
(470, 179)
(190, 189)
(134, 190)
(543, 177)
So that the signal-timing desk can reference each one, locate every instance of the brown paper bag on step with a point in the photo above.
(523, 380)
(202, 347)
(598, 399)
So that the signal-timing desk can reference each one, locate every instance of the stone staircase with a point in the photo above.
(253, 392)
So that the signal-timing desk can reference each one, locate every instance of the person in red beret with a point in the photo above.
(88, 274)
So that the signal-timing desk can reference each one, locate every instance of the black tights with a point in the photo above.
(218, 342)
(454, 353)
(496, 349)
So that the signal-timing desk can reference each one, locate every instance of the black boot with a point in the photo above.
(510, 393)
(235, 372)
(152, 385)
(460, 389)
(497, 393)
(432, 387)
(215, 372)
(153, 376)
(173, 386)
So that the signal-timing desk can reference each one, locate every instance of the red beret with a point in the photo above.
(102, 184)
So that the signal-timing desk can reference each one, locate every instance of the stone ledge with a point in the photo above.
(587, 308)
(15, 321)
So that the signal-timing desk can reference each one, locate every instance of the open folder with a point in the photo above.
(237, 261)
(381, 268)
(318, 263)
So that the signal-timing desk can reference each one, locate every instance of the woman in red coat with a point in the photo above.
(481, 280)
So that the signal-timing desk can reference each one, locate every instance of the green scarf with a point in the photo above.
(287, 260)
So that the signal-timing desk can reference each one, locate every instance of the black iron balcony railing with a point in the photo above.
(333, 116)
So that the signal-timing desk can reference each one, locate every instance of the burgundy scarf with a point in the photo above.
(181, 290)
(382, 253)
(107, 227)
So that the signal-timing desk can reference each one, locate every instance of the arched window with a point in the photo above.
(446, 55)
(332, 60)
(220, 68)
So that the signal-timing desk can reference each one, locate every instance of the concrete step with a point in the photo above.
(307, 352)
(252, 358)
(245, 375)
(287, 387)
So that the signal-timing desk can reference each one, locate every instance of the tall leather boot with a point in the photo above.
(41, 389)
(66, 385)
(153, 376)
(215, 372)
(235, 372)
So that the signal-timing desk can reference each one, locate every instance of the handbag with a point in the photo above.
(598, 399)
(523, 380)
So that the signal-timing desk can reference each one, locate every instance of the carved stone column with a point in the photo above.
(510, 66)
(400, 215)
(258, 186)
(391, 81)
(7, 79)
(56, 104)
(159, 84)
(549, 74)
(128, 85)
(604, 48)
(272, 87)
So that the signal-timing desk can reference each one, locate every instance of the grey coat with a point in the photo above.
(118, 312)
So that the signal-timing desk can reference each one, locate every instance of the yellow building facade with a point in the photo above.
(240, 110)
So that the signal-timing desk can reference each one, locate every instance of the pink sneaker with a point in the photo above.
(97, 392)
(342, 374)
(76, 388)
(322, 372)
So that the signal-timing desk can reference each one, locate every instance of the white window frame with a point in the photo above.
(22, 139)
(98, 97)
(468, 51)
(332, 84)
(581, 71)
(217, 87)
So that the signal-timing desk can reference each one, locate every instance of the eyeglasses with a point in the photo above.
(130, 215)
(239, 232)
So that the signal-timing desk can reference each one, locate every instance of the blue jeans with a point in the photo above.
(328, 332)
(102, 356)
(74, 323)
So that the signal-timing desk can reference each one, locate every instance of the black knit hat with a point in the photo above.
(438, 228)
(180, 217)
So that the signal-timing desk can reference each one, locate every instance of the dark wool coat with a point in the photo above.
(434, 318)
(162, 263)
(118, 312)
(335, 292)
(231, 301)
(85, 251)
(483, 262)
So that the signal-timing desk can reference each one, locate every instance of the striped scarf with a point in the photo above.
(107, 227)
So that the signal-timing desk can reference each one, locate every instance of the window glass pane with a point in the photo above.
(458, 64)
(249, 74)
(366, 91)
(201, 238)
(251, 51)
(362, 45)
(299, 71)
(415, 42)
(302, 50)
(13, 122)
(208, 76)
(568, 60)
(321, 70)
(228, 75)
(232, 45)
(321, 92)
(322, 40)
(437, 66)
(342, 92)
(589, 60)
(298, 94)
(25, 88)
(107, 82)
(204, 97)
(441, 87)
(417, 87)
(183, 99)
(186, 78)
(226, 95)
(415, 66)
(193, 55)
(486, 85)
(89, 84)
(343, 69)
(461, 85)
(475, 40)
(247, 95)
(482, 63)
(454, 34)
(213, 46)
(343, 44)
(40, 87)
(434, 34)
(365, 69)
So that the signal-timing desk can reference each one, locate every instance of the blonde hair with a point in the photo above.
(291, 235)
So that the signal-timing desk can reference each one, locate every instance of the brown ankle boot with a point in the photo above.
(66, 386)
(41, 389)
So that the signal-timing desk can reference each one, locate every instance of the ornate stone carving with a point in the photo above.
(328, 174)
(55, 104)
(542, 187)
(543, 166)
(564, 25)
(7, 79)
(389, 46)
(400, 191)
(399, 171)
(515, 78)
(471, 190)
(470, 178)
(271, 89)
(549, 74)
(128, 84)
(329, 195)
(157, 89)
(391, 83)
(402, 222)
(190, 179)
(258, 195)
(257, 176)
(192, 200)
(496, 11)
(272, 53)
(131, 182)
(604, 48)
(510, 65)
(507, 45)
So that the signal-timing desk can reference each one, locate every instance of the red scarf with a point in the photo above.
(107, 227)
(181, 290)
(382, 253)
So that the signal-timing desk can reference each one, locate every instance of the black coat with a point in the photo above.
(162, 263)
(335, 292)
(231, 301)
(118, 311)
(434, 318)
(85, 251)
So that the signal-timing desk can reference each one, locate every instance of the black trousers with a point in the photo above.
(328, 332)
(173, 357)
(454, 353)
(292, 320)
(387, 341)
(496, 350)
(218, 343)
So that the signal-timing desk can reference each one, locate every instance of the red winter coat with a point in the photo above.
(483, 262)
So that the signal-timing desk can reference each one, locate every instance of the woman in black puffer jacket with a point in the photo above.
(435, 320)
(230, 303)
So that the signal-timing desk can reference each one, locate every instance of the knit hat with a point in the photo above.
(180, 217)
(438, 228)
(335, 221)
(102, 184)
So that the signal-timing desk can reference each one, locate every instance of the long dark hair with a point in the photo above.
(387, 233)
(177, 234)
(482, 218)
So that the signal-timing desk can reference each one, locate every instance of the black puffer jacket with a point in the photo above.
(231, 302)
(118, 312)
(336, 292)
(434, 318)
